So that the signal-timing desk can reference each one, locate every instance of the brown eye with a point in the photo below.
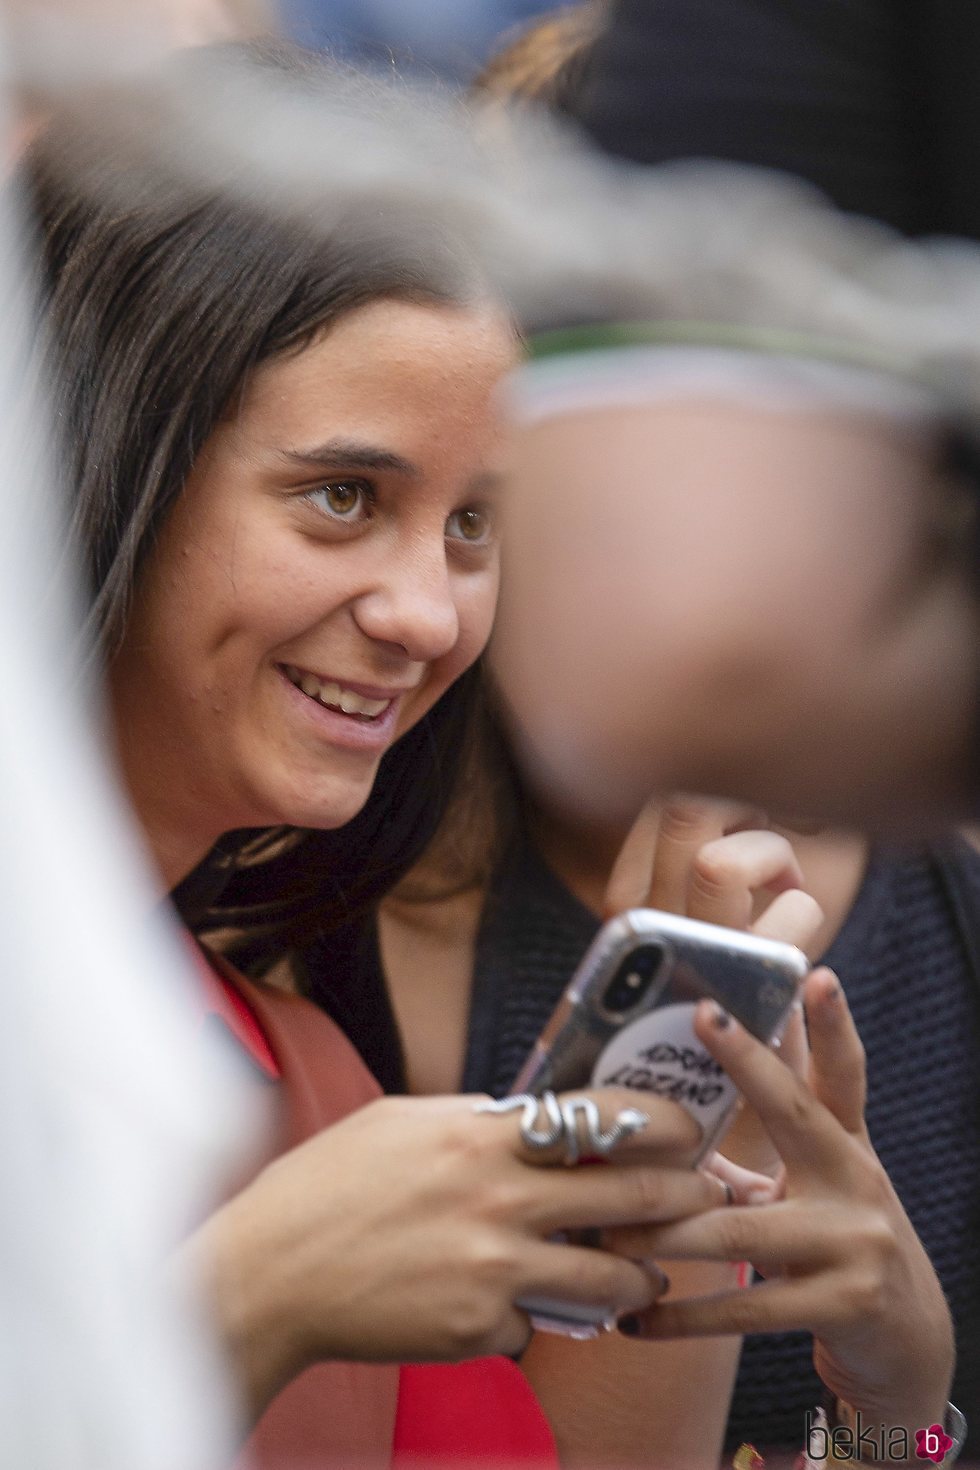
(470, 525)
(342, 500)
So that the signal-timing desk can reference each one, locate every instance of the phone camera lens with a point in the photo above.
(633, 979)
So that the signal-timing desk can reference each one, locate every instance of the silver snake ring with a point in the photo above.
(568, 1122)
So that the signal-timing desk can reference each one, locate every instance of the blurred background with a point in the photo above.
(447, 38)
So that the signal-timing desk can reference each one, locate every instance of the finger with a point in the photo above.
(668, 1133)
(583, 1275)
(628, 1197)
(774, 1237)
(745, 1185)
(597, 1197)
(794, 917)
(770, 1306)
(793, 1047)
(837, 1064)
(629, 881)
(806, 1136)
(727, 872)
(686, 824)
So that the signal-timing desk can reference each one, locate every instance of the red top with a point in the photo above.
(478, 1414)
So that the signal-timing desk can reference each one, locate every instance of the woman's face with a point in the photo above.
(329, 570)
(703, 596)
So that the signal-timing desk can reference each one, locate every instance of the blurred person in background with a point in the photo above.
(828, 664)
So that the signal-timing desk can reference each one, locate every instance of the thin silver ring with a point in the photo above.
(575, 1123)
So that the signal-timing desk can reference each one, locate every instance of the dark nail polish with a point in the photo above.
(629, 1326)
(721, 1018)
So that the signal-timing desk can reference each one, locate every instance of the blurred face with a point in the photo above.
(709, 597)
(329, 570)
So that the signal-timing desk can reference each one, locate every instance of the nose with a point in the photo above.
(412, 604)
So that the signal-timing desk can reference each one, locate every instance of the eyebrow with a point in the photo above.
(347, 454)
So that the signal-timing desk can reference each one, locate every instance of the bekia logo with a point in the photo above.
(878, 1443)
(843, 1444)
(932, 1444)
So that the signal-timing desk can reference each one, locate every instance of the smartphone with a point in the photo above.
(626, 1020)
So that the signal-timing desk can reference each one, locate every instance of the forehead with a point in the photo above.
(391, 364)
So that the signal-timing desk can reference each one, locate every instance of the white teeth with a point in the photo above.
(334, 697)
(372, 707)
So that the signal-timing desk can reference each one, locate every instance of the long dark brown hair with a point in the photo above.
(157, 301)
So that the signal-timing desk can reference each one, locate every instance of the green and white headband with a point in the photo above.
(633, 364)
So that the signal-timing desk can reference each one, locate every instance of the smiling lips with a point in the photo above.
(335, 696)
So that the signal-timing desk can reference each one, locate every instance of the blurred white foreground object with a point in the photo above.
(58, 43)
(114, 1116)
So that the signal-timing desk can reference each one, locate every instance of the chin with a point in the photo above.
(329, 810)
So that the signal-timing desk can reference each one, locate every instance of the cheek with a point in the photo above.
(272, 591)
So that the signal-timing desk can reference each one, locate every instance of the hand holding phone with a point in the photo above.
(840, 1256)
(627, 1013)
(627, 1020)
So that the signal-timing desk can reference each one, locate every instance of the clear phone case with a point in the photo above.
(626, 1020)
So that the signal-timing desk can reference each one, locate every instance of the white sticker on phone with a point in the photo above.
(660, 1053)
